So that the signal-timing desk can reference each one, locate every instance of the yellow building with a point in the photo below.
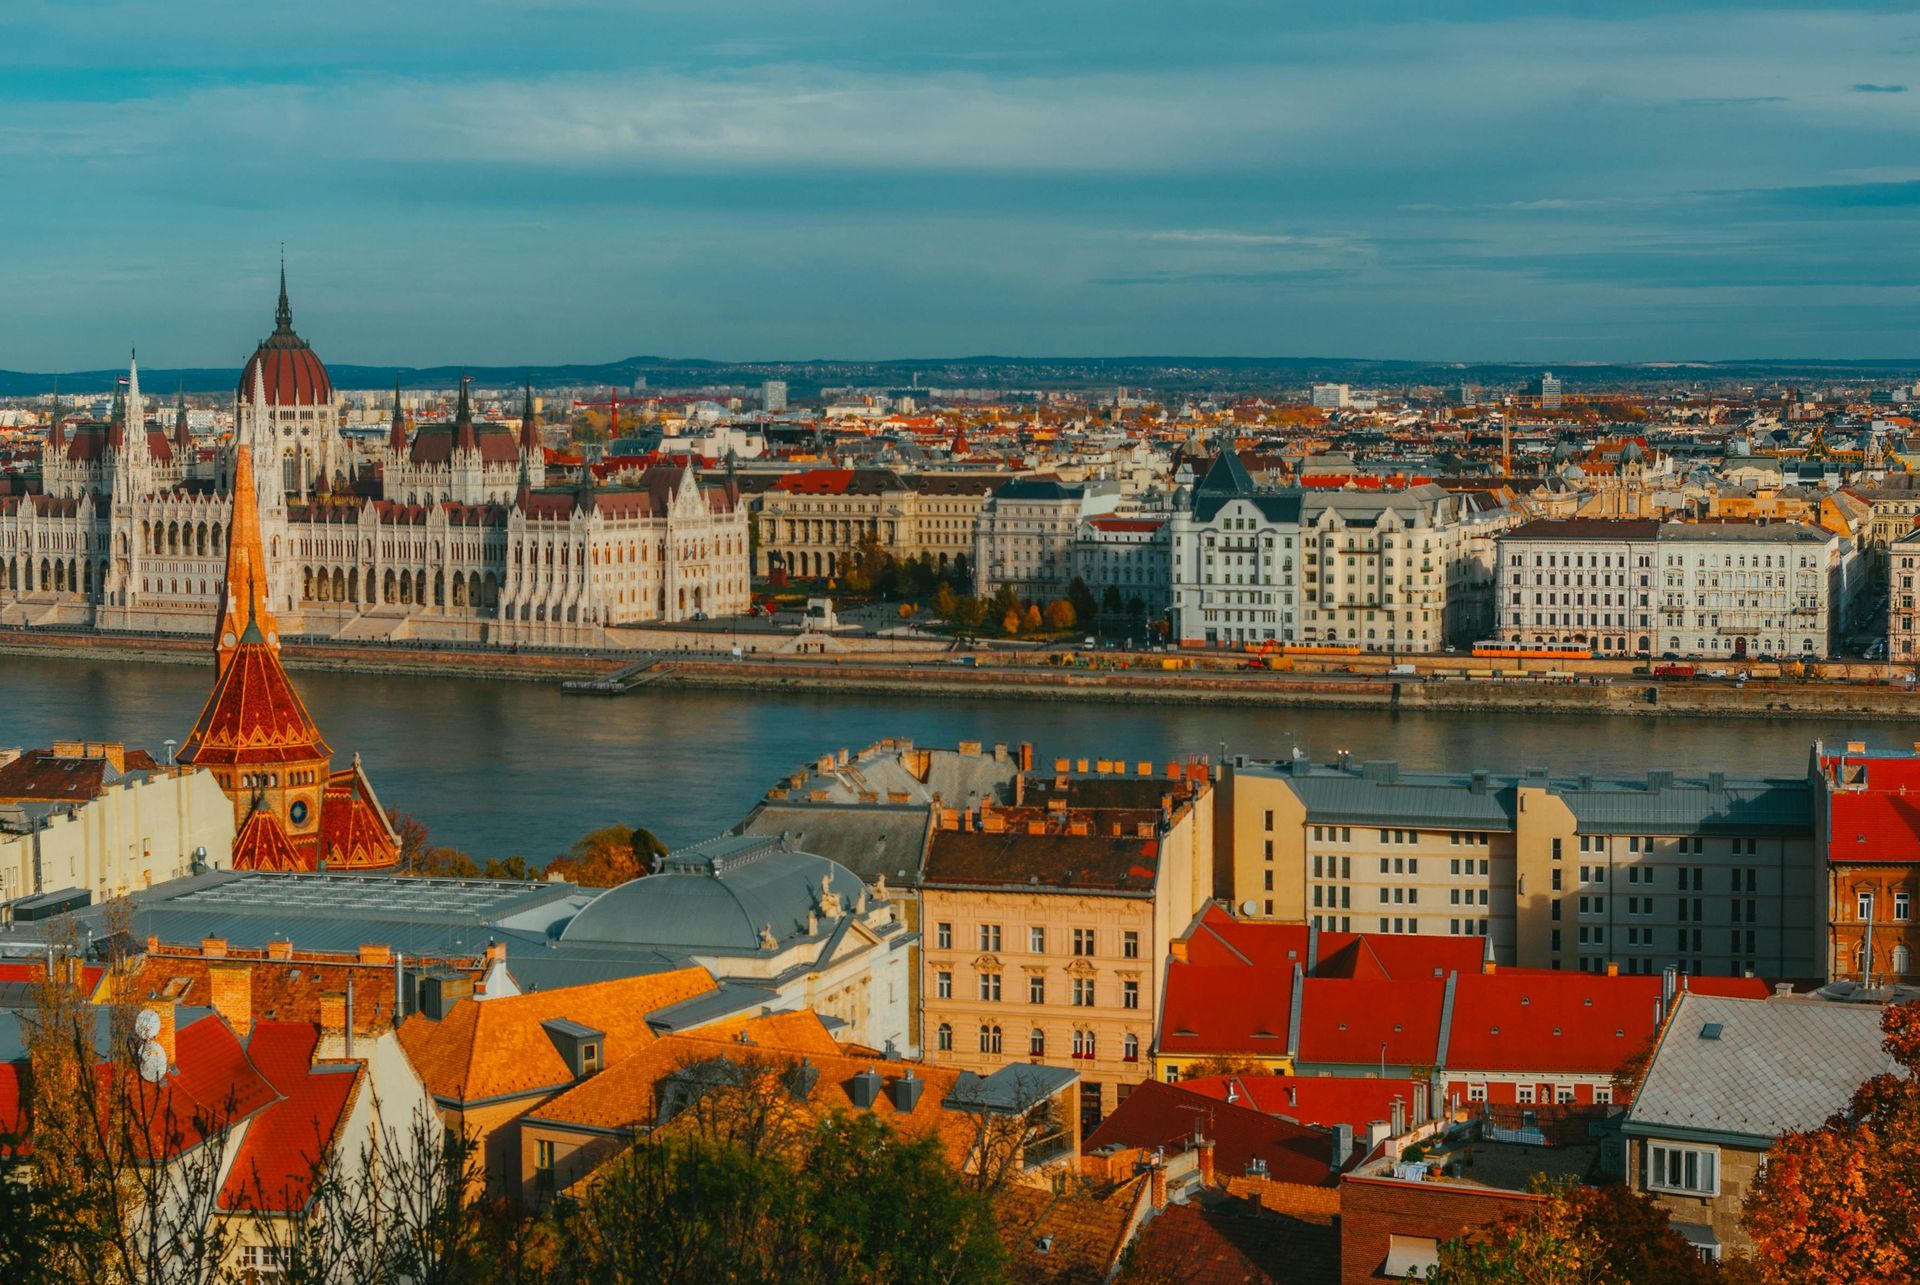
(1044, 926)
(811, 521)
(1566, 872)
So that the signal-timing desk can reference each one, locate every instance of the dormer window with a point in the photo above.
(590, 1057)
(582, 1048)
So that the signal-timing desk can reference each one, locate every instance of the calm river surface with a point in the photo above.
(499, 768)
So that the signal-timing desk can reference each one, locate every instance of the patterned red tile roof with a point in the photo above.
(254, 716)
(274, 1168)
(1325, 1100)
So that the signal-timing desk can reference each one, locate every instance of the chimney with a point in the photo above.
(906, 1092)
(213, 947)
(281, 950)
(1613, 969)
(1342, 1146)
(1026, 756)
(232, 995)
(1177, 950)
(164, 1036)
(864, 1089)
(1487, 967)
(1378, 1131)
(1143, 768)
(1399, 1120)
(1159, 1168)
(374, 953)
(333, 1016)
(1205, 1145)
(496, 952)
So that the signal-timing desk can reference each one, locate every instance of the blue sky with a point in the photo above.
(547, 180)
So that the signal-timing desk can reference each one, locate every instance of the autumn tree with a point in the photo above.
(1081, 597)
(1838, 1203)
(607, 857)
(1010, 624)
(1060, 614)
(945, 603)
(1030, 620)
(1576, 1236)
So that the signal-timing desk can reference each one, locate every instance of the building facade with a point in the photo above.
(1130, 554)
(1870, 838)
(1903, 600)
(1707, 875)
(451, 534)
(812, 522)
(1025, 534)
(1739, 589)
(1234, 580)
(1580, 583)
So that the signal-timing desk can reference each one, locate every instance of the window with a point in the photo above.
(543, 1156)
(943, 936)
(990, 987)
(1083, 941)
(990, 937)
(1130, 1049)
(943, 984)
(1083, 1044)
(1563, 1094)
(989, 1039)
(1269, 821)
(1036, 989)
(1036, 941)
(1083, 992)
(1524, 1094)
(1603, 1094)
(944, 1038)
(263, 1260)
(1129, 994)
(1130, 944)
(1865, 905)
(1037, 1042)
(1476, 1093)
(1902, 905)
(1693, 1170)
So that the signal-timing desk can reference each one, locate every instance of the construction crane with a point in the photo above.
(611, 406)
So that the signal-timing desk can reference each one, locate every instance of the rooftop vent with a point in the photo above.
(864, 1089)
(906, 1092)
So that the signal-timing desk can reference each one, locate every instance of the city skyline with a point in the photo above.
(560, 182)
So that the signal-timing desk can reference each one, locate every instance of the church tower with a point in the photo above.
(291, 810)
(533, 457)
(468, 468)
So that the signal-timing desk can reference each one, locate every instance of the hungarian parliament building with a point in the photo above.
(452, 532)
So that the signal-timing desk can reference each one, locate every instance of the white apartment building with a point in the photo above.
(1233, 579)
(1580, 582)
(1331, 396)
(1024, 536)
(1903, 600)
(1738, 589)
(1130, 554)
(1381, 570)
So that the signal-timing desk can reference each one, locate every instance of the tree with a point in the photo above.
(1837, 1203)
(1060, 614)
(1576, 1236)
(1084, 606)
(1010, 624)
(969, 614)
(1110, 601)
(607, 857)
(1222, 1064)
(1030, 621)
(944, 603)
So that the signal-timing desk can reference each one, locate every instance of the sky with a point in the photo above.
(504, 181)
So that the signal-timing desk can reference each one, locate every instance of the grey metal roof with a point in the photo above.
(1010, 1089)
(1412, 798)
(872, 840)
(716, 896)
(1775, 1065)
(729, 999)
(1691, 807)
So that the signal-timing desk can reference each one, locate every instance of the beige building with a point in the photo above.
(1903, 600)
(93, 815)
(1704, 874)
(811, 521)
(1045, 925)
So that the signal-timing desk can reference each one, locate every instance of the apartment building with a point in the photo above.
(1130, 554)
(1024, 535)
(811, 521)
(1233, 580)
(1707, 875)
(1379, 569)
(1903, 600)
(1579, 582)
(1869, 837)
(1044, 925)
(96, 816)
(1736, 589)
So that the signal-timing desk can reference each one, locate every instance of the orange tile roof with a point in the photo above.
(1082, 1231)
(497, 1048)
(282, 990)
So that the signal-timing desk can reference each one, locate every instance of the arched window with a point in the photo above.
(943, 1038)
(1037, 1042)
(1130, 1048)
(989, 1039)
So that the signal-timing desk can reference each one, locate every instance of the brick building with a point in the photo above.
(1868, 813)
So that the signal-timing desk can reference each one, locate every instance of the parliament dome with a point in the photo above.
(292, 374)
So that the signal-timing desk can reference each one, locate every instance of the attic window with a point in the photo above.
(1343, 1026)
(590, 1057)
(1556, 1030)
(1494, 1031)
(1711, 1031)
(1525, 1000)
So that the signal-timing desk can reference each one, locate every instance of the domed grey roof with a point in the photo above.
(1632, 453)
(718, 896)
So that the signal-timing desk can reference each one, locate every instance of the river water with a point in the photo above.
(502, 768)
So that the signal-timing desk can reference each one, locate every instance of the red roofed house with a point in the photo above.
(1867, 824)
(1391, 1229)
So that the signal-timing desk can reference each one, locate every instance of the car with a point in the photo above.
(1716, 673)
(1669, 655)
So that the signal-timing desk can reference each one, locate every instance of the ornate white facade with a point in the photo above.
(451, 533)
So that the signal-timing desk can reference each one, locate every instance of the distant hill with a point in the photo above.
(1163, 373)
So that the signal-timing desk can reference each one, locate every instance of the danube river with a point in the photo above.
(499, 768)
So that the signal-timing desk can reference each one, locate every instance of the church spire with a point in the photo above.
(529, 440)
(397, 432)
(245, 616)
(182, 430)
(463, 420)
(56, 435)
(283, 315)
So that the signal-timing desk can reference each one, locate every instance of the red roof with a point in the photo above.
(293, 375)
(263, 844)
(1166, 1115)
(1346, 1020)
(1873, 811)
(254, 716)
(1211, 1008)
(273, 1170)
(1141, 525)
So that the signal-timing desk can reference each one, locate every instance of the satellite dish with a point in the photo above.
(146, 1024)
(153, 1062)
(1249, 907)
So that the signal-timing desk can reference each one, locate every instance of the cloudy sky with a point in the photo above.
(550, 180)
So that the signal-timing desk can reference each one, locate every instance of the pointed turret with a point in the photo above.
(397, 431)
(245, 616)
(136, 410)
(117, 416)
(464, 439)
(583, 495)
(529, 438)
(182, 429)
(283, 314)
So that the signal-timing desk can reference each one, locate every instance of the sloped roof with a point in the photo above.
(872, 840)
(1199, 1246)
(1089, 862)
(1347, 1020)
(1225, 1008)
(1165, 1115)
(1067, 1236)
(253, 716)
(263, 844)
(1325, 1100)
(273, 1170)
(497, 1047)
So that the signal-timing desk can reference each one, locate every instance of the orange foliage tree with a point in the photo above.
(1841, 1203)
